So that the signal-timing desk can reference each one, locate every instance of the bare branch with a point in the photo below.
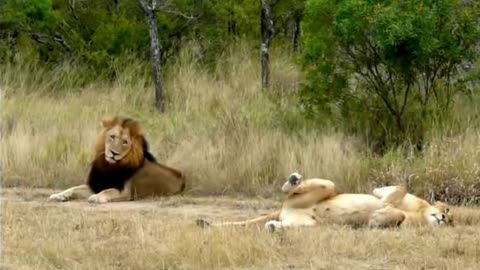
(144, 6)
(72, 9)
(165, 7)
(178, 13)
(405, 99)
(46, 39)
(60, 40)
(40, 38)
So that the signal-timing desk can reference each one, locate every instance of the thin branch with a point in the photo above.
(373, 81)
(178, 13)
(72, 9)
(405, 99)
(60, 40)
(167, 7)
(40, 38)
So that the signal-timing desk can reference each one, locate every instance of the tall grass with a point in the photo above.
(226, 134)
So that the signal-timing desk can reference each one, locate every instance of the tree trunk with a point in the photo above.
(296, 34)
(155, 55)
(267, 35)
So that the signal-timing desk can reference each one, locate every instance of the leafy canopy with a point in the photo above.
(375, 65)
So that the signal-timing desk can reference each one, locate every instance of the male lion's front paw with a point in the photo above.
(58, 197)
(97, 198)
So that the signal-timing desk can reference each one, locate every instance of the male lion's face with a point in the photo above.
(439, 214)
(118, 143)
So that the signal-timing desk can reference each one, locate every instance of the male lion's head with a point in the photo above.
(438, 214)
(121, 142)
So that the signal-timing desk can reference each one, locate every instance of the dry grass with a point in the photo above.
(162, 235)
(220, 129)
(229, 138)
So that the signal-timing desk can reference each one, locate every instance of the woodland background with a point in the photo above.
(365, 93)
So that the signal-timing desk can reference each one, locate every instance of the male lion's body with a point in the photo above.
(123, 168)
(315, 201)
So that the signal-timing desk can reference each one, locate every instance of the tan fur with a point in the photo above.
(155, 179)
(121, 144)
(416, 211)
(315, 201)
(131, 131)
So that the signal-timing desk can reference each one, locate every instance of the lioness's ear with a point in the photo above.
(109, 121)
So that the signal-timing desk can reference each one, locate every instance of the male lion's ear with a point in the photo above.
(135, 127)
(109, 121)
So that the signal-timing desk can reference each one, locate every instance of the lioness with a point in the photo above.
(315, 201)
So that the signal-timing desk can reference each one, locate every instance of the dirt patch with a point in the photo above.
(180, 206)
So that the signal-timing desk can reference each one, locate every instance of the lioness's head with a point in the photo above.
(121, 141)
(438, 214)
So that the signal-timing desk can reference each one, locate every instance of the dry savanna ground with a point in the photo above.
(234, 143)
(161, 234)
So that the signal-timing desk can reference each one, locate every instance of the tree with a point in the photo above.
(36, 18)
(268, 32)
(391, 62)
(150, 11)
(288, 15)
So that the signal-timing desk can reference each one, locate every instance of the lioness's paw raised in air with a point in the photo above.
(97, 198)
(58, 197)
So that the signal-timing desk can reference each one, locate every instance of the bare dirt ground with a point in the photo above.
(176, 207)
(161, 234)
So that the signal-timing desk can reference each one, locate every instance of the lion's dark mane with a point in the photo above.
(104, 175)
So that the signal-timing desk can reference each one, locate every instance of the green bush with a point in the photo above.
(386, 69)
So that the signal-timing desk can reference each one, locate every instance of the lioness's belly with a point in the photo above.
(298, 216)
(347, 209)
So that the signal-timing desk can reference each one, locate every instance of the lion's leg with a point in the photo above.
(73, 192)
(253, 221)
(387, 217)
(112, 195)
(307, 185)
(274, 225)
(310, 192)
(391, 195)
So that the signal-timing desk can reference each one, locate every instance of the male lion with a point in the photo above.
(315, 201)
(123, 168)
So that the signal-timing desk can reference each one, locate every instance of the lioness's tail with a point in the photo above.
(254, 221)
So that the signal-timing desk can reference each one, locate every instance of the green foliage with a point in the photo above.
(383, 68)
(32, 14)
(98, 33)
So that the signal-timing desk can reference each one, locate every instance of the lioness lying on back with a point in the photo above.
(315, 201)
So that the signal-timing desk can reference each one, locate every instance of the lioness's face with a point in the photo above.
(118, 143)
(438, 214)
